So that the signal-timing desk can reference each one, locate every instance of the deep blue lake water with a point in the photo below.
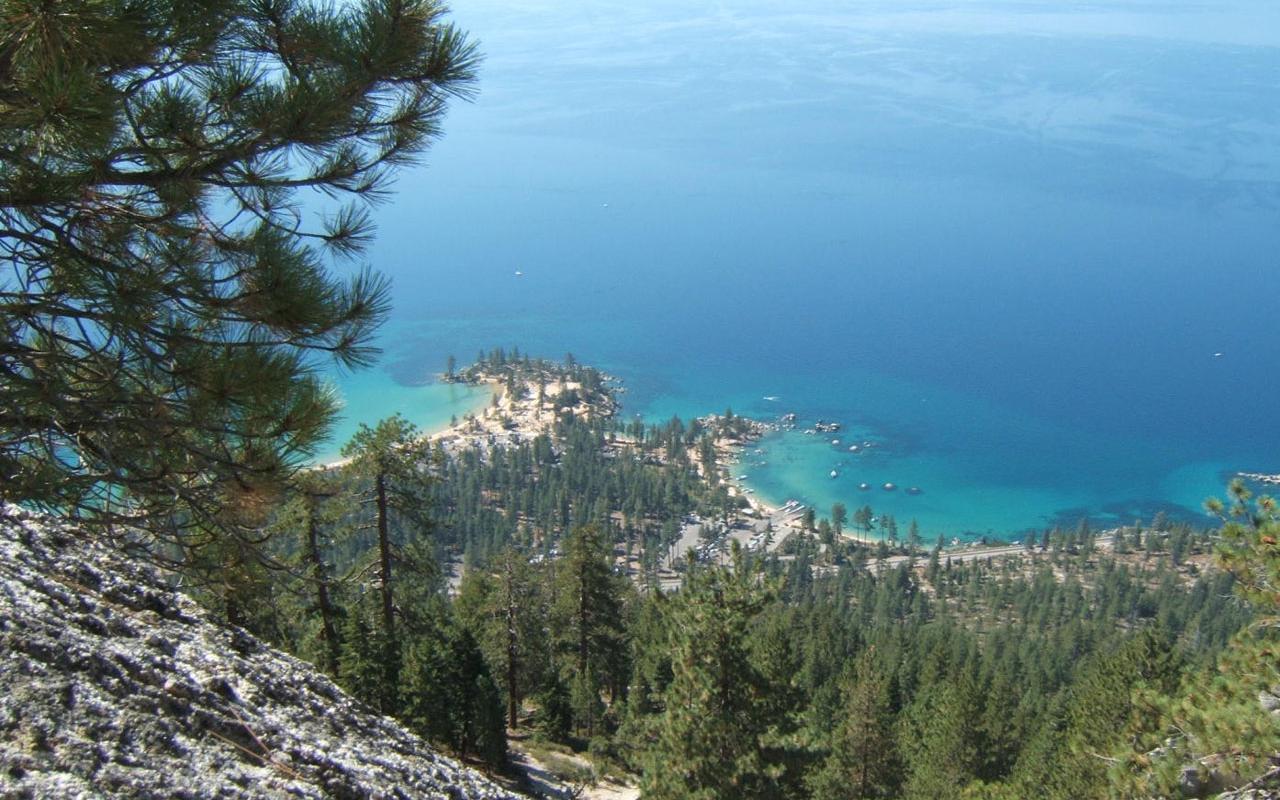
(1004, 241)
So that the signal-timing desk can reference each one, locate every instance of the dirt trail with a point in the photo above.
(550, 782)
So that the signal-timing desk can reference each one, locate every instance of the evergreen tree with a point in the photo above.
(449, 696)
(163, 302)
(1081, 741)
(650, 673)
(393, 458)
(941, 741)
(1223, 723)
(554, 718)
(863, 759)
(369, 666)
(863, 519)
(839, 516)
(591, 635)
(709, 742)
(313, 513)
(508, 615)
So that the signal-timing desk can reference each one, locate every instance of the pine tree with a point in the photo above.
(839, 516)
(717, 708)
(1225, 717)
(592, 639)
(941, 741)
(309, 515)
(238, 583)
(554, 718)
(395, 461)
(164, 302)
(449, 696)
(1085, 734)
(913, 538)
(863, 760)
(508, 616)
(369, 666)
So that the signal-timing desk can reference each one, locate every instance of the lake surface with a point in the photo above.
(1027, 249)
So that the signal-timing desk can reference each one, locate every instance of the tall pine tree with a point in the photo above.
(591, 637)
(863, 761)
(718, 705)
(165, 303)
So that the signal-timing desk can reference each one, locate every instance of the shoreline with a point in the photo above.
(734, 438)
(734, 450)
(502, 420)
(529, 400)
(792, 465)
(427, 405)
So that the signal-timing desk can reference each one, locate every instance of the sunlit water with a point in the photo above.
(1001, 240)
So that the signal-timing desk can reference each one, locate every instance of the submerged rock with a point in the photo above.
(114, 685)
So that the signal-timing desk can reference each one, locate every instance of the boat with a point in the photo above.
(834, 474)
(915, 490)
(864, 486)
(853, 448)
(889, 487)
(835, 442)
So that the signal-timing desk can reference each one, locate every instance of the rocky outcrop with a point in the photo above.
(113, 685)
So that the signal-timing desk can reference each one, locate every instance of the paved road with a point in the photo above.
(975, 554)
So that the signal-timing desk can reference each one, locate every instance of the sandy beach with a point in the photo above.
(512, 418)
(507, 419)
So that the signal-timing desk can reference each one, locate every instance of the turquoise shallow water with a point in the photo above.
(1004, 240)
(371, 396)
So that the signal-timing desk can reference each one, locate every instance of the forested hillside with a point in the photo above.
(824, 667)
(183, 186)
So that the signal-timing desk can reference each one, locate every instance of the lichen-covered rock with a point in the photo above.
(112, 685)
(1269, 701)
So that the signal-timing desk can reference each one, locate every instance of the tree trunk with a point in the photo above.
(513, 652)
(384, 556)
(513, 674)
(327, 615)
(584, 648)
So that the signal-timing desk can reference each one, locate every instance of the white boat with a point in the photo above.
(835, 474)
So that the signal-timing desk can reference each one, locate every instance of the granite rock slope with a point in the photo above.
(114, 685)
